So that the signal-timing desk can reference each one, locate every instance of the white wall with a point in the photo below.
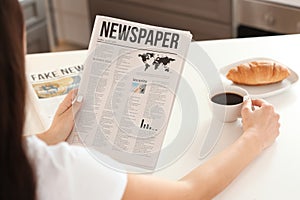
(72, 21)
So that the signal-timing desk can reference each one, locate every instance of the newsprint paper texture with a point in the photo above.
(48, 86)
(128, 86)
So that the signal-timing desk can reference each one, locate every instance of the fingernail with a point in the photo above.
(79, 99)
(246, 98)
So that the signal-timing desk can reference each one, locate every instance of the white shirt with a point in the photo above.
(70, 172)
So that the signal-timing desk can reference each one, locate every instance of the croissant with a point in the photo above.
(258, 73)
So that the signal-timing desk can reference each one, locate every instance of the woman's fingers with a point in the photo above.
(77, 104)
(67, 102)
(259, 102)
(247, 106)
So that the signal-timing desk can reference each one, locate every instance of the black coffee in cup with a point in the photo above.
(227, 98)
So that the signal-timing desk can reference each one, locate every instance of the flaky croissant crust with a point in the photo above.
(258, 73)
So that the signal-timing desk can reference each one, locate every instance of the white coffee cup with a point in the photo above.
(226, 103)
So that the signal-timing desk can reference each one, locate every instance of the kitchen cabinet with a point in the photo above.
(257, 18)
(72, 21)
(36, 26)
(206, 19)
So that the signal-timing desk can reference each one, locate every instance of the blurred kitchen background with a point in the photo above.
(59, 25)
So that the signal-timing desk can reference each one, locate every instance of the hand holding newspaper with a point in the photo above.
(129, 83)
(48, 85)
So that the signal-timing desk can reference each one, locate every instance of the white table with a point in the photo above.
(276, 173)
(294, 3)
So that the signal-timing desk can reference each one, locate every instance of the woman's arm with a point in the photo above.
(63, 121)
(261, 128)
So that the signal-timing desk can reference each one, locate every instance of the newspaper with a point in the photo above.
(128, 86)
(48, 88)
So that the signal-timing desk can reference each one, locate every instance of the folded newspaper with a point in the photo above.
(128, 85)
(49, 83)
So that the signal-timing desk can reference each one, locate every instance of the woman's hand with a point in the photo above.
(63, 121)
(260, 122)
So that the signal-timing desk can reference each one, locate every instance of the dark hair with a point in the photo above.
(17, 177)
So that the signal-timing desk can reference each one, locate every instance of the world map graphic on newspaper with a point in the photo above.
(156, 61)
